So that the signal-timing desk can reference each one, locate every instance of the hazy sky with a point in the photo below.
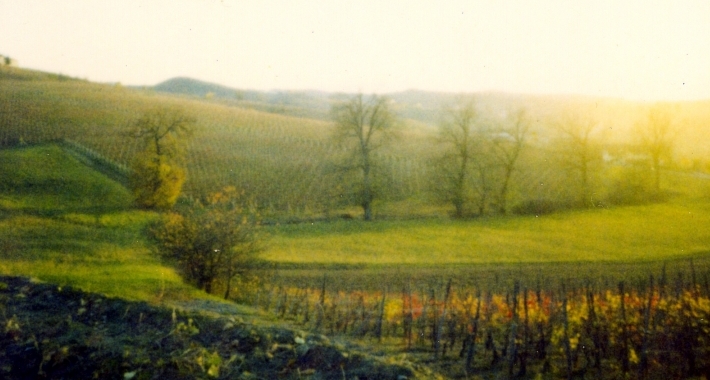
(640, 49)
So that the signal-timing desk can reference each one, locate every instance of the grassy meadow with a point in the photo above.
(610, 245)
(635, 233)
(64, 223)
(597, 244)
(285, 164)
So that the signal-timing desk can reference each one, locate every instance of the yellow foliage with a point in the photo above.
(157, 178)
(393, 310)
(155, 184)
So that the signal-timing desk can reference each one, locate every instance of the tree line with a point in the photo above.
(480, 156)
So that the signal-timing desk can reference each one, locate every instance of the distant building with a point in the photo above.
(7, 61)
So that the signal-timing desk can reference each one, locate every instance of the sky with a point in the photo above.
(635, 49)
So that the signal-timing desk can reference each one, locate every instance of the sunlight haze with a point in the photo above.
(647, 50)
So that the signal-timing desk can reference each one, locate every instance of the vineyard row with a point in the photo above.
(662, 328)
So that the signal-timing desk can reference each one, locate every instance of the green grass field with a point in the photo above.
(637, 233)
(599, 246)
(64, 223)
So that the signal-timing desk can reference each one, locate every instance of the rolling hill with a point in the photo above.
(321, 273)
(277, 146)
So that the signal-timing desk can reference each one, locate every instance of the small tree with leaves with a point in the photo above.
(210, 242)
(157, 176)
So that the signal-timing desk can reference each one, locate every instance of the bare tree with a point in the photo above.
(160, 129)
(456, 131)
(506, 146)
(364, 125)
(483, 179)
(579, 151)
(656, 136)
(462, 170)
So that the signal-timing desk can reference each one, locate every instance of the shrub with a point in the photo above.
(538, 207)
(210, 242)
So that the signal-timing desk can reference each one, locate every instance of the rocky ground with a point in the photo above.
(50, 332)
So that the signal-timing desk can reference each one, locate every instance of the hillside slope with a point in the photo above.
(63, 223)
(309, 104)
(56, 332)
(287, 163)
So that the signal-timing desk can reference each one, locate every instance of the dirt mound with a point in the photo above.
(50, 332)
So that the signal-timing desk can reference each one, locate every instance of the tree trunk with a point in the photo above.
(367, 210)
(503, 196)
(458, 208)
(657, 172)
(460, 190)
(229, 286)
(366, 188)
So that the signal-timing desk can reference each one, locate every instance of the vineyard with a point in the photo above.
(612, 292)
(462, 320)
(653, 328)
(290, 166)
(283, 162)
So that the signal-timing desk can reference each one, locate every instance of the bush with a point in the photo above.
(628, 194)
(155, 185)
(212, 242)
(538, 207)
(633, 186)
